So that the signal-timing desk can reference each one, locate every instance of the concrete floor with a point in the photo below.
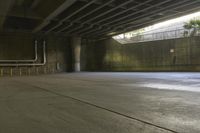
(101, 103)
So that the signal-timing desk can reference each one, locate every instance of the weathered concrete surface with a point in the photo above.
(101, 103)
(15, 46)
(109, 55)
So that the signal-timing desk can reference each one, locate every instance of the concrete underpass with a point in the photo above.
(89, 66)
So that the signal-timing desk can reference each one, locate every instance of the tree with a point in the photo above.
(193, 25)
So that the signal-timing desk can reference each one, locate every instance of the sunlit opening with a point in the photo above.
(172, 21)
(166, 26)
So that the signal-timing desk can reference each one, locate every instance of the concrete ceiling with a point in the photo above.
(89, 18)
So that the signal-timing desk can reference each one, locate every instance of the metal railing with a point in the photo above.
(50, 68)
(180, 33)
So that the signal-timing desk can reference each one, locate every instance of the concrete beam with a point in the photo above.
(59, 10)
(82, 27)
(132, 14)
(150, 14)
(129, 28)
(106, 12)
(163, 10)
(4, 8)
(72, 14)
(125, 11)
(87, 14)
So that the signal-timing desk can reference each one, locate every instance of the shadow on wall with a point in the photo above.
(166, 55)
(22, 46)
(92, 56)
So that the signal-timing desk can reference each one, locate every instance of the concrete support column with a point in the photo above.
(76, 51)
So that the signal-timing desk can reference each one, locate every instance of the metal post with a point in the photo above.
(1, 72)
(29, 71)
(37, 71)
(11, 72)
(20, 72)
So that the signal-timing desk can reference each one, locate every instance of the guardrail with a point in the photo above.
(50, 68)
(181, 33)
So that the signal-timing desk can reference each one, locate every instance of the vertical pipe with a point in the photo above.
(37, 71)
(1, 72)
(33, 69)
(11, 72)
(29, 72)
(53, 70)
(20, 72)
(45, 71)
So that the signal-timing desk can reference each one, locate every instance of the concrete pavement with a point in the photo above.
(101, 103)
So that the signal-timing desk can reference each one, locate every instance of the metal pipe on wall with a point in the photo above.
(28, 64)
(17, 61)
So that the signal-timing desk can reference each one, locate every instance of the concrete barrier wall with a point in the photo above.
(166, 55)
(21, 46)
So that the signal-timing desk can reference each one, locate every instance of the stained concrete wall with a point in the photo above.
(109, 55)
(21, 46)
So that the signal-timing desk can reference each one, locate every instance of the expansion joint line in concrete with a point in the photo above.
(103, 108)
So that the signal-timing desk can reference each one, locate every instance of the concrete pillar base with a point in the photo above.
(77, 67)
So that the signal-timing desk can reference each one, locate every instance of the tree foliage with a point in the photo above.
(193, 24)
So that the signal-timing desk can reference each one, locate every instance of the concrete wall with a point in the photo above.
(21, 46)
(109, 55)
